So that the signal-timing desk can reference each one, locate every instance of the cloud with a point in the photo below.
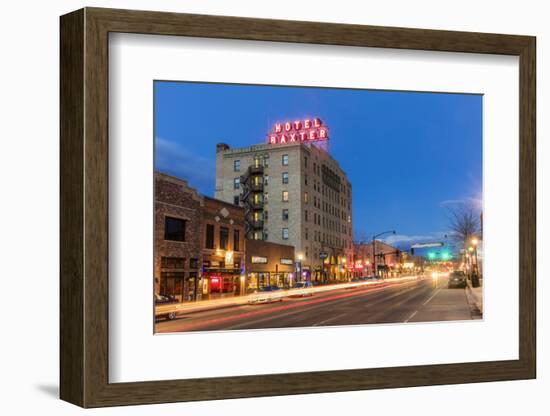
(471, 201)
(177, 160)
(403, 239)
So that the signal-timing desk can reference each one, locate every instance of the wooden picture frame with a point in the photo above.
(84, 207)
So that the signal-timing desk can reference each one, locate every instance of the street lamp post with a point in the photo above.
(475, 282)
(374, 237)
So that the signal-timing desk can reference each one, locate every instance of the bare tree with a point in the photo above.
(463, 222)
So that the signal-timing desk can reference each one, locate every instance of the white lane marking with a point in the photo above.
(329, 319)
(410, 317)
(431, 297)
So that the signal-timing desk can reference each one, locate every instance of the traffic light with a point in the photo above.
(431, 255)
(412, 251)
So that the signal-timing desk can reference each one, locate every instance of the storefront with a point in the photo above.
(221, 279)
(269, 264)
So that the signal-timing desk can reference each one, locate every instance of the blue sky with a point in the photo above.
(408, 155)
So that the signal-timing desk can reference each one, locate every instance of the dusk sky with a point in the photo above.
(408, 155)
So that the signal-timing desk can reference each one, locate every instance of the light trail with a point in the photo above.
(217, 321)
(202, 306)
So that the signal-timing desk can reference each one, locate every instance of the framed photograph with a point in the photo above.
(255, 207)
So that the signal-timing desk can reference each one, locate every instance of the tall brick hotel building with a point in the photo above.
(294, 193)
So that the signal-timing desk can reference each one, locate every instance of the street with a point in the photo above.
(421, 300)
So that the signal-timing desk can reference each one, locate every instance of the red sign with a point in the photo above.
(302, 131)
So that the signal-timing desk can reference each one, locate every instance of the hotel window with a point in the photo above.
(265, 235)
(285, 233)
(285, 178)
(305, 180)
(193, 263)
(209, 236)
(236, 165)
(307, 235)
(284, 160)
(236, 183)
(236, 200)
(305, 162)
(224, 237)
(257, 235)
(306, 198)
(265, 216)
(266, 161)
(266, 179)
(266, 195)
(236, 240)
(174, 229)
(257, 198)
(285, 196)
(285, 214)
(305, 215)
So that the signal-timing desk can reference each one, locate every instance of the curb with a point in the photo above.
(476, 307)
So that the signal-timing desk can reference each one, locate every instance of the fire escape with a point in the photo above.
(252, 184)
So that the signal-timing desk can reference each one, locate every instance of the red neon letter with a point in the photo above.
(273, 139)
(292, 137)
(288, 126)
(283, 139)
(312, 135)
(317, 122)
(278, 128)
(323, 133)
(302, 136)
(307, 124)
(297, 125)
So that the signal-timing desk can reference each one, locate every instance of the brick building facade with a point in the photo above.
(177, 238)
(222, 246)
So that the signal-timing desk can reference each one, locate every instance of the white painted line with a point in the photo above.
(431, 297)
(410, 317)
(329, 319)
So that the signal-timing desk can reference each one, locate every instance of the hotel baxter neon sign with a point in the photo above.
(309, 130)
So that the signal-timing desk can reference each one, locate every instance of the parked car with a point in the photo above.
(164, 300)
(457, 280)
(266, 294)
(371, 278)
(303, 289)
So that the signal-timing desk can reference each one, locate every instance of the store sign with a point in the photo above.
(323, 255)
(258, 259)
(287, 261)
(309, 130)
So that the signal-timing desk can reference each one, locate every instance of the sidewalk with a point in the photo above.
(475, 297)
(444, 305)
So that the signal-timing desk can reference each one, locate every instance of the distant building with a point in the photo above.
(294, 193)
(384, 260)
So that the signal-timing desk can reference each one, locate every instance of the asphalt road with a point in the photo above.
(422, 300)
